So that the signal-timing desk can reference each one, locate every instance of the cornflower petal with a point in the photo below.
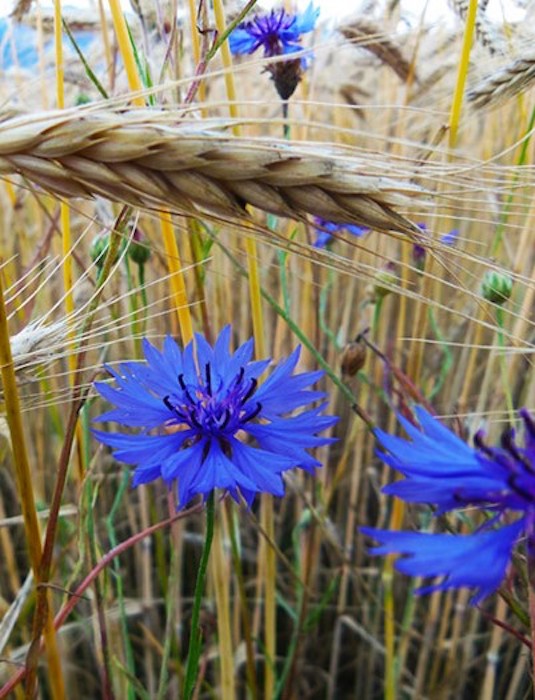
(472, 561)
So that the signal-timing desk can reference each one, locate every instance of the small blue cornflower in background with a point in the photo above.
(419, 251)
(324, 231)
(278, 34)
(443, 471)
(206, 422)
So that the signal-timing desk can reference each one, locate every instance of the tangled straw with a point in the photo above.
(151, 160)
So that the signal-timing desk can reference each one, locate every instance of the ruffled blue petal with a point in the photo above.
(466, 561)
(146, 449)
(241, 41)
(306, 21)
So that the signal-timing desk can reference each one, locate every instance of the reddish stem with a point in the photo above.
(88, 580)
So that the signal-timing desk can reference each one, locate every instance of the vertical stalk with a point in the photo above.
(457, 103)
(176, 280)
(125, 47)
(220, 576)
(267, 554)
(194, 651)
(23, 478)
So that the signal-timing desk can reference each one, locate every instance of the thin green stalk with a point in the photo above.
(522, 158)
(503, 364)
(195, 642)
(90, 74)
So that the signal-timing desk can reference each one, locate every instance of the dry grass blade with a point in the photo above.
(507, 82)
(371, 36)
(146, 159)
(22, 7)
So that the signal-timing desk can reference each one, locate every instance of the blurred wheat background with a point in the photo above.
(122, 218)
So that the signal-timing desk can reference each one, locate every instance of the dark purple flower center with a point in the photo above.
(215, 412)
(518, 460)
(267, 31)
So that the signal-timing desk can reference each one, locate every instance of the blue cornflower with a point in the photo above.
(419, 250)
(278, 33)
(443, 471)
(325, 229)
(207, 423)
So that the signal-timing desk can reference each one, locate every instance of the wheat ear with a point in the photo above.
(371, 36)
(507, 82)
(151, 160)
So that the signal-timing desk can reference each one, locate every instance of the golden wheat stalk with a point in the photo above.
(151, 160)
(507, 82)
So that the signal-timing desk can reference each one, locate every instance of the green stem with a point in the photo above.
(521, 161)
(194, 651)
(503, 364)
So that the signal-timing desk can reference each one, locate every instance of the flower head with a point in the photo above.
(325, 229)
(443, 471)
(419, 250)
(207, 423)
(277, 33)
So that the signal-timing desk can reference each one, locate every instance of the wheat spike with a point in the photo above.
(485, 30)
(147, 159)
(507, 82)
(370, 36)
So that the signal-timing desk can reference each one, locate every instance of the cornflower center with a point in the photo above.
(267, 31)
(516, 460)
(215, 412)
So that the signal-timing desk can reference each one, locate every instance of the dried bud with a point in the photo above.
(353, 358)
(496, 286)
(286, 75)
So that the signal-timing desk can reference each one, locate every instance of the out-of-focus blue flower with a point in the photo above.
(443, 471)
(419, 251)
(277, 33)
(18, 44)
(207, 424)
(325, 229)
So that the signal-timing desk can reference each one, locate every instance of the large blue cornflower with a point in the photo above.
(277, 33)
(325, 229)
(443, 471)
(207, 423)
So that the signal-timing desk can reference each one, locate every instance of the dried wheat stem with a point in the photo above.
(146, 159)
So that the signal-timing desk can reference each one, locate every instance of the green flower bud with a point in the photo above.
(496, 286)
(385, 276)
(99, 248)
(138, 250)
